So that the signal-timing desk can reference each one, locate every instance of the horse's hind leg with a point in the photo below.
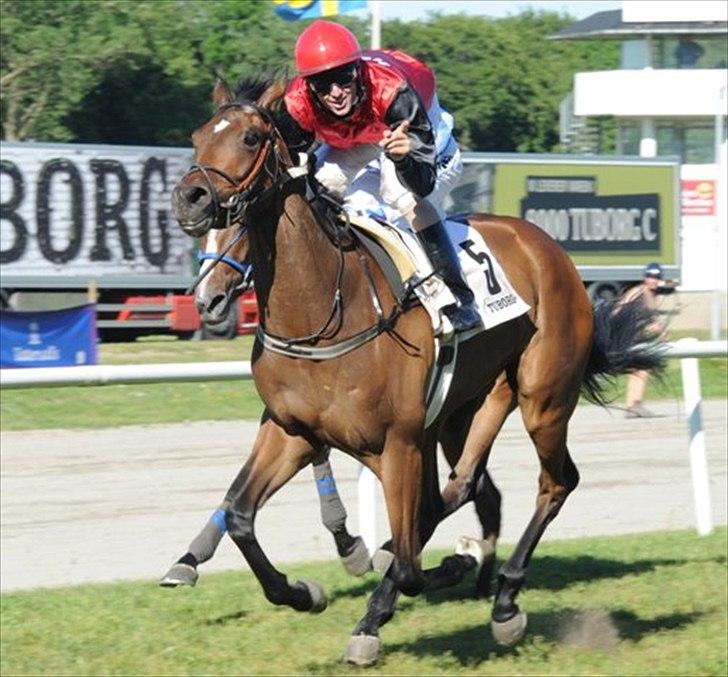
(352, 549)
(546, 420)
(467, 447)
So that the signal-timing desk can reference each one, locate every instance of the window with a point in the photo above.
(691, 51)
(693, 141)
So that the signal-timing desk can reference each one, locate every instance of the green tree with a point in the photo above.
(141, 72)
(501, 78)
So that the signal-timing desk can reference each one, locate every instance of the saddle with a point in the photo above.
(406, 267)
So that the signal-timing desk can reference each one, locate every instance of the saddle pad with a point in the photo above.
(496, 300)
(392, 240)
(495, 297)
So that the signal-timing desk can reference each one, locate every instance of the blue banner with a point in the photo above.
(52, 338)
(294, 10)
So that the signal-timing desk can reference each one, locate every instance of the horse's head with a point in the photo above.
(236, 151)
(230, 277)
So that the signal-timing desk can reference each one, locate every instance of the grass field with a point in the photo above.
(93, 407)
(648, 604)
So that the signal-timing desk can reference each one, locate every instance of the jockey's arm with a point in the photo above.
(416, 170)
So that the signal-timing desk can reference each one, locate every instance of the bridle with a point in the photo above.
(246, 270)
(245, 194)
(245, 190)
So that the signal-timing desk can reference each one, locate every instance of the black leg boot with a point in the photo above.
(444, 260)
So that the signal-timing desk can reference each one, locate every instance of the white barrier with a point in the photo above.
(88, 375)
(687, 350)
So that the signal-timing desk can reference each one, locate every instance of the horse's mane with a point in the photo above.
(297, 140)
(251, 89)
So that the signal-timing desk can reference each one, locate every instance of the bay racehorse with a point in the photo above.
(316, 289)
(224, 274)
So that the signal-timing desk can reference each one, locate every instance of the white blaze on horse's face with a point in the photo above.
(212, 245)
(221, 125)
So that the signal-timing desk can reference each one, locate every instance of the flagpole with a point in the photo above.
(376, 24)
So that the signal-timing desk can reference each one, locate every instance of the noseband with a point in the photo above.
(244, 270)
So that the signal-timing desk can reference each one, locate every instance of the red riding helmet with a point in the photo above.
(325, 45)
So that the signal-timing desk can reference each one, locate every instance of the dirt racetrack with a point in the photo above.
(123, 503)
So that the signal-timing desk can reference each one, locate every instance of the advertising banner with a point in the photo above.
(612, 214)
(75, 212)
(698, 198)
(54, 338)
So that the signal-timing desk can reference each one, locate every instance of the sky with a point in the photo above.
(416, 9)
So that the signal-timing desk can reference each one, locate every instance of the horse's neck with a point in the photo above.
(298, 267)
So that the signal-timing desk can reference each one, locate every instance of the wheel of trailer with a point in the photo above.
(227, 329)
(604, 291)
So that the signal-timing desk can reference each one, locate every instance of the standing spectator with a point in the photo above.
(688, 52)
(637, 382)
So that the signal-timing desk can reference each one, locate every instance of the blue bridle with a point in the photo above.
(242, 268)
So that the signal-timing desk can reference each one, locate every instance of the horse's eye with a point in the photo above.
(251, 139)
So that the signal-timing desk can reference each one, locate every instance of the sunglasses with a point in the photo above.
(322, 83)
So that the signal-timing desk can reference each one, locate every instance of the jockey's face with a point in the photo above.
(336, 89)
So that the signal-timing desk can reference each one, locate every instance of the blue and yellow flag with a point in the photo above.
(293, 10)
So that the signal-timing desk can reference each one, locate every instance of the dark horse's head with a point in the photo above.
(236, 151)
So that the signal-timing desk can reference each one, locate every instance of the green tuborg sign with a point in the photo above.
(599, 213)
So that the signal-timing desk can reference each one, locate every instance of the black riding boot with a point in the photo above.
(444, 260)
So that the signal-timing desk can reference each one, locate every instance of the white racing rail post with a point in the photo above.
(367, 499)
(694, 418)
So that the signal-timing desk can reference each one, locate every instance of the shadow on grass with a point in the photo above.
(558, 573)
(592, 629)
(226, 618)
(545, 573)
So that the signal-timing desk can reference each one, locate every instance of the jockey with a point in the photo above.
(381, 105)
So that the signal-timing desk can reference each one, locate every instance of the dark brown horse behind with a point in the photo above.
(315, 288)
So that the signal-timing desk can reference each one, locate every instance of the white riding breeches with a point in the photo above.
(367, 178)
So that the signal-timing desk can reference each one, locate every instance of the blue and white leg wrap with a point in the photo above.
(205, 543)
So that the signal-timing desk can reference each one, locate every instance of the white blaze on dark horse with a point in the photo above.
(313, 284)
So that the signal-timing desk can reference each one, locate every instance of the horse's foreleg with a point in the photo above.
(203, 546)
(201, 549)
(352, 550)
(401, 468)
(364, 644)
(276, 458)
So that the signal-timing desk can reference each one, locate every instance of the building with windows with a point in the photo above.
(667, 98)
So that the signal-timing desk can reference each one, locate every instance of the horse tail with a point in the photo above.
(624, 342)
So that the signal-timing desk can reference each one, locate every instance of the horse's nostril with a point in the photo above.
(196, 194)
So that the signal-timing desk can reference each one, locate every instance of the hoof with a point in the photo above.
(180, 574)
(475, 548)
(319, 600)
(510, 631)
(358, 561)
(363, 649)
(382, 560)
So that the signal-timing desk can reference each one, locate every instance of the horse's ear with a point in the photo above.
(221, 94)
(273, 94)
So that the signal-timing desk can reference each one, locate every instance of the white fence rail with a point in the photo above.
(687, 350)
(89, 375)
